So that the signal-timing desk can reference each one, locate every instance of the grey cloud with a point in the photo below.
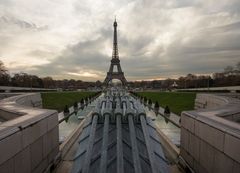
(40, 53)
(179, 58)
(207, 43)
(83, 55)
(9, 20)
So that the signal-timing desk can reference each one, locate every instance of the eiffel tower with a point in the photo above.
(115, 62)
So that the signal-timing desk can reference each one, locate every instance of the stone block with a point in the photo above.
(206, 156)
(46, 144)
(187, 122)
(187, 157)
(198, 168)
(22, 161)
(184, 139)
(7, 167)
(52, 155)
(6, 131)
(209, 134)
(222, 163)
(10, 146)
(31, 133)
(36, 150)
(52, 121)
(236, 167)
(50, 141)
(55, 137)
(231, 147)
(194, 146)
(195, 166)
(41, 167)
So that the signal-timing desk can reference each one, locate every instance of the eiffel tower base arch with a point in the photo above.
(115, 75)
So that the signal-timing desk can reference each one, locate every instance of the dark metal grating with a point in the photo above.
(119, 137)
(121, 148)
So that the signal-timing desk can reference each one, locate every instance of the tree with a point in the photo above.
(4, 75)
(2, 67)
(238, 66)
(21, 80)
(48, 82)
(228, 69)
(191, 76)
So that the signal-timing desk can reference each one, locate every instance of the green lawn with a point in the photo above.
(58, 100)
(177, 101)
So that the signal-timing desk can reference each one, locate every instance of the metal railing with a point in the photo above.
(76, 109)
(158, 113)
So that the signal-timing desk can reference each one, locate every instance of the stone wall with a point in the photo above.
(6, 95)
(11, 107)
(209, 142)
(206, 101)
(29, 140)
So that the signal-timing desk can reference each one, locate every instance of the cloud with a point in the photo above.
(157, 38)
(10, 22)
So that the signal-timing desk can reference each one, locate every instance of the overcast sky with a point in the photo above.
(157, 38)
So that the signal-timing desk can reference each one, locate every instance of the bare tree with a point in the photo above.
(48, 82)
(4, 75)
(2, 68)
(228, 69)
(238, 66)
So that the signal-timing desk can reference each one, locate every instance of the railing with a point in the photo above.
(73, 110)
(159, 113)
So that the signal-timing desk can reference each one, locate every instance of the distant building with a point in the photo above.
(174, 85)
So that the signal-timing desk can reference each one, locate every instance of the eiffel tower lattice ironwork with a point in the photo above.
(115, 61)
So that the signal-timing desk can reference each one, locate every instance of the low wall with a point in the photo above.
(6, 95)
(23, 89)
(209, 141)
(29, 138)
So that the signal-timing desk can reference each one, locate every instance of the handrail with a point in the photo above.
(159, 113)
(75, 111)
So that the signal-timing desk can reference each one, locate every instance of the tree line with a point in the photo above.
(27, 80)
(230, 76)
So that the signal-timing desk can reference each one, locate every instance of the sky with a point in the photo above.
(157, 39)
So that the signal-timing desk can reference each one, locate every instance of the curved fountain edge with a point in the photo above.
(29, 135)
(210, 136)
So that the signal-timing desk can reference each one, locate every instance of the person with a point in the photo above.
(167, 110)
(66, 110)
(167, 113)
(156, 107)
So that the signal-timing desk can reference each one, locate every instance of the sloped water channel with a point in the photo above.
(168, 128)
(67, 126)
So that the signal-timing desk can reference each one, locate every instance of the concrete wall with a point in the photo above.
(210, 143)
(23, 89)
(6, 95)
(29, 141)
(17, 103)
(206, 101)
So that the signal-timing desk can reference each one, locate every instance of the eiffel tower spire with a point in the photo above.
(115, 61)
(115, 45)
